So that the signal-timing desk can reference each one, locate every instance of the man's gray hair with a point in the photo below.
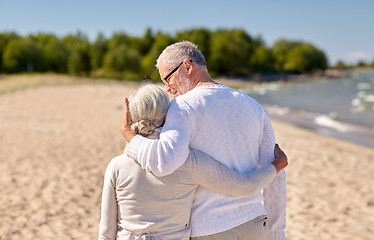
(174, 54)
(148, 107)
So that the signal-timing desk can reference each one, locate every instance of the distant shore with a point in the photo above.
(329, 73)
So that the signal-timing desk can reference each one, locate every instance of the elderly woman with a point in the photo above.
(138, 205)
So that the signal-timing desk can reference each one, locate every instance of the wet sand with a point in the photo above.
(56, 141)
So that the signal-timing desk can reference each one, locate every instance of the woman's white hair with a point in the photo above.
(148, 107)
(175, 53)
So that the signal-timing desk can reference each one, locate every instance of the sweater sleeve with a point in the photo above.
(275, 193)
(108, 221)
(164, 155)
(222, 179)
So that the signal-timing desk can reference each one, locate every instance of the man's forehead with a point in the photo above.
(166, 63)
(163, 67)
(162, 70)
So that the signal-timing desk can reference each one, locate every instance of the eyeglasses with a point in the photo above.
(165, 80)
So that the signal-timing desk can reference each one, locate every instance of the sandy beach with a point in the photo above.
(56, 142)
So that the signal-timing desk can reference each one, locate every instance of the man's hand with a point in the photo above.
(280, 161)
(126, 131)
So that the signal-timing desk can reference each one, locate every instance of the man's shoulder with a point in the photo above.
(202, 92)
(201, 97)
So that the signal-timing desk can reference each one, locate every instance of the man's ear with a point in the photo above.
(188, 65)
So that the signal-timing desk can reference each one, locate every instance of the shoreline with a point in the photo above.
(323, 126)
(326, 124)
(284, 77)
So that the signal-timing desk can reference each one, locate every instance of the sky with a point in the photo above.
(343, 29)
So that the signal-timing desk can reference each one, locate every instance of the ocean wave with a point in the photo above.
(363, 86)
(264, 88)
(322, 123)
(326, 121)
(277, 110)
(369, 98)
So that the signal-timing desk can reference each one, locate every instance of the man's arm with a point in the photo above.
(275, 193)
(165, 155)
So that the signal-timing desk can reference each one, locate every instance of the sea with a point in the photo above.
(342, 107)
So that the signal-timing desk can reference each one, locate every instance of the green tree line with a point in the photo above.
(229, 52)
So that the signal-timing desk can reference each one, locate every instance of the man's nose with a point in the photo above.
(168, 89)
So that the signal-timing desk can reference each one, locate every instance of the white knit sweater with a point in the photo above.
(231, 127)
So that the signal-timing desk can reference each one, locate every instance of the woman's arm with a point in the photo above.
(219, 178)
(108, 221)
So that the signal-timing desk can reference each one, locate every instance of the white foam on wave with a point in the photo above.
(361, 94)
(262, 89)
(356, 102)
(363, 86)
(326, 121)
(362, 103)
(369, 98)
(277, 110)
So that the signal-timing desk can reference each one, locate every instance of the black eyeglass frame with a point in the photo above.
(171, 73)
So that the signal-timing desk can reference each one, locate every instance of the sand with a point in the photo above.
(56, 141)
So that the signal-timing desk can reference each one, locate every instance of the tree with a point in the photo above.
(161, 41)
(297, 57)
(230, 53)
(5, 38)
(362, 63)
(305, 58)
(262, 60)
(280, 50)
(21, 55)
(122, 61)
(43, 39)
(78, 47)
(227, 52)
(147, 41)
(118, 39)
(98, 50)
(56, 56)
(200, 36)
(340, 65)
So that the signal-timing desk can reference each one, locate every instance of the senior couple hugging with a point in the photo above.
(203, 166)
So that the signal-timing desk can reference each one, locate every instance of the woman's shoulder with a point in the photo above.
(120, 162)
(123, 167)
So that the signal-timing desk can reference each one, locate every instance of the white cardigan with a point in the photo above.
(136, 204)
(231, 127)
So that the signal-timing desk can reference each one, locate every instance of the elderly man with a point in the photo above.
(227, 125)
